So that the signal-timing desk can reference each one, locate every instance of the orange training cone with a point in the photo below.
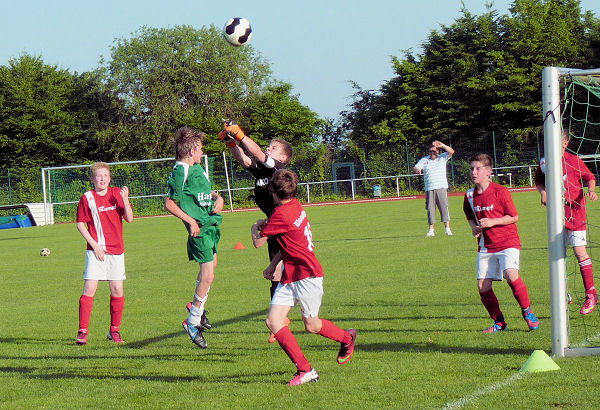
(239, 245)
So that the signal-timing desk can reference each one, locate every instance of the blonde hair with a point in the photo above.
(98, 165)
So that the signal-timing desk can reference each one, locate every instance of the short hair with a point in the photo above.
(285, 184)
(98, 165)
(285, 147)
(187, 138)
(485, 159)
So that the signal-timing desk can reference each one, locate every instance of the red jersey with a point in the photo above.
(290, 226)
(574, 173)
(103, 215)
(494, 202)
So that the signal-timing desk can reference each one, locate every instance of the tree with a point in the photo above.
(178, 76)
(277, 113)
(481, 73)
(43, 119)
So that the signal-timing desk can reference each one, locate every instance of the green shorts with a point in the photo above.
(203, 247)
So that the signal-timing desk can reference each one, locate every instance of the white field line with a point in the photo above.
(503, 383)
(588, 342)
(474, 396)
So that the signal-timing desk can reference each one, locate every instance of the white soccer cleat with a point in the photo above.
(431, 232)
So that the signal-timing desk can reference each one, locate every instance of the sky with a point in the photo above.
(319, 46)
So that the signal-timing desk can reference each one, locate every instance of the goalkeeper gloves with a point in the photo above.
(234, 130)
(228, 140)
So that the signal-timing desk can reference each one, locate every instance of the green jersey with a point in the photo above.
(189, 187)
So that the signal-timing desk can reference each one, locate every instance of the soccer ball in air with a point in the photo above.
(237, 31)
(45, 252)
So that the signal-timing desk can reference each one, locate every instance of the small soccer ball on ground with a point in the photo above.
(237, 31)
(45, 252)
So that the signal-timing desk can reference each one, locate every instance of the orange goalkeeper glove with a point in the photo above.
(234, 130)
(228, 140)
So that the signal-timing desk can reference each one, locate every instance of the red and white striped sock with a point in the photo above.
(587, 274)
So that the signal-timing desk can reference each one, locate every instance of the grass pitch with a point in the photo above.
(413, 300)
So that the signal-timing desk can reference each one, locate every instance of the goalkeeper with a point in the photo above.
(262, 165)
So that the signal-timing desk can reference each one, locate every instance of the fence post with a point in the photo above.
(307, 193)
(530, 180)
(398, 185)
(494, 145)
(227, 178)
(9, 189)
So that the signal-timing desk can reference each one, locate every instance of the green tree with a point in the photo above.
(478, 74)
(179, 76)
(278, 113)
(43, 119)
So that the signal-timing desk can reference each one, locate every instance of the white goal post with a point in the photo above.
(551, 103)
(146, 179)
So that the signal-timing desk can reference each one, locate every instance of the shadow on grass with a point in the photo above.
(434, 347)
(33, 373)
(145, 342)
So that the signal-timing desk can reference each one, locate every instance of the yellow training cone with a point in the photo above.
(539, 361)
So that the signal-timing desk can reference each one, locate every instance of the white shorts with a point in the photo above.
(112, 268)
(308, 292)
(492, 265)
(575, 238)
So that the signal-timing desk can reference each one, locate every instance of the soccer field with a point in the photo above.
(413, 299)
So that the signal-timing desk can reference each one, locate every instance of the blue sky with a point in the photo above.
(316, 45)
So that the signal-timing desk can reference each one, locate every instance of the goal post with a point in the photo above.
(553, 124)
(63, 186)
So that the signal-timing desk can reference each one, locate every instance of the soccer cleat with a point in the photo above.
(272, 335)
(496, 327)
(81, 337)
(195, 334)
(531, 320)
(448, 232)
(430, 232)
(203, 320)
(115, 336)
(591, 300)
(304, 377)
(347, 350)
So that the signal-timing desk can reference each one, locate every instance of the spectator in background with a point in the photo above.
(433, 169)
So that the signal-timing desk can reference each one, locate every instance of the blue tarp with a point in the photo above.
(17, 221)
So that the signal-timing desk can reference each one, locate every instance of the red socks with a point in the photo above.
(490, 301)
(333, 332)
(85, 311)
(519, 290)
(116, 311)
(290, 346)
(587, 274)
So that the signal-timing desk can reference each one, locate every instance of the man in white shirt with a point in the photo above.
(433, 169)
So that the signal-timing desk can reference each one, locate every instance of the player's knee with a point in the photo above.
(270, 324)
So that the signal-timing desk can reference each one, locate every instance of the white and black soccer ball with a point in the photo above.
(237, 31)
(45, 252)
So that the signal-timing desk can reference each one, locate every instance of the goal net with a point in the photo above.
(146, 179)
(571, 103)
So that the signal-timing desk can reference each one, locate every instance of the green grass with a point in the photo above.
(413, 300)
